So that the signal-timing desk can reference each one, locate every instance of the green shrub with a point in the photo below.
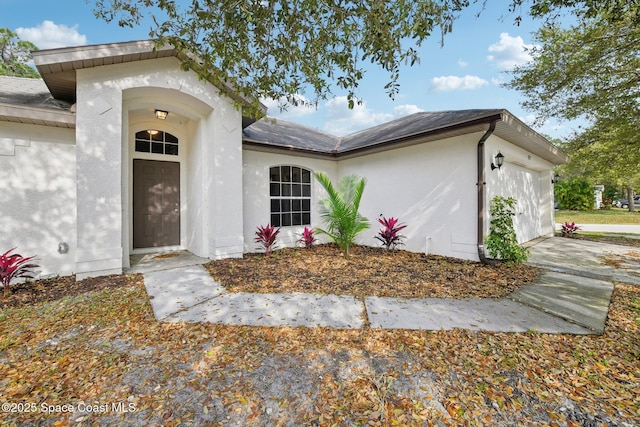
(502, 242)
(574, 195)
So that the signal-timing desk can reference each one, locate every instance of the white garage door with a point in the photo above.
(525, 188)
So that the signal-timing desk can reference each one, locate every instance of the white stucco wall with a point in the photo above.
(431, 187)
(256, 193)
(109, 98)
(38, 209)
(223, 161)
(527, 178)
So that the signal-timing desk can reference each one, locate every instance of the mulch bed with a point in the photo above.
(368, 272)
(58, 287)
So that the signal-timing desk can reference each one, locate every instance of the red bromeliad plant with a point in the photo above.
(307, 238)
(389, 235)
(266, 237)
(14, 266)
(568, 230)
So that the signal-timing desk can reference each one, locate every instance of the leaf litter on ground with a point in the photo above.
(368, 271)
(103, 349)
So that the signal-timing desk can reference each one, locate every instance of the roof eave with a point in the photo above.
(454, 129)
(510, 128)
(58, 66)
(272, 148)
(37, 116)
(517, 132)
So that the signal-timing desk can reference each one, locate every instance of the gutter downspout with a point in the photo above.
(481, 183)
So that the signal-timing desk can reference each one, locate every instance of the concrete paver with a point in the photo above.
(572, 298)
(583, 300)
(481, 314)
(294, 309)
(143, 263)
(180, 288)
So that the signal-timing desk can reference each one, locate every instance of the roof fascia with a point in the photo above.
(35, 115)
(279, 149)
(532, 141)
(70, 59)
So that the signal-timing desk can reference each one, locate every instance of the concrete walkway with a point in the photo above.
(180, 289)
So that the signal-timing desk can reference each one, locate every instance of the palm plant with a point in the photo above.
(340, 210)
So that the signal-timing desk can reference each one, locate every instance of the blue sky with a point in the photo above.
(465, 73)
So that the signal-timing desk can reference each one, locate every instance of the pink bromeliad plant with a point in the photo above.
(569, 229)
(14, 266)
(307, 238)
(266, 237)
(390, 235)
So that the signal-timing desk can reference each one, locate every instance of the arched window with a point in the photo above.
(290, 192)
(157, 142)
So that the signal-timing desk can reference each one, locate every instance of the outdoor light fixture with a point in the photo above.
(499, 161)
(556, 179)
(161, 114)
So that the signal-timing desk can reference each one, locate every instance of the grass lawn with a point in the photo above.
(612, 216)
(98, 357)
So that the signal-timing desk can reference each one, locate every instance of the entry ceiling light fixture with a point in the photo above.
(499, 161)
(161, 114)
(152, 132)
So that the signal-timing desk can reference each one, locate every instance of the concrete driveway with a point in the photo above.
(602, 261)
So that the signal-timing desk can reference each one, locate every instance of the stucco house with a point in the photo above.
(118, 151)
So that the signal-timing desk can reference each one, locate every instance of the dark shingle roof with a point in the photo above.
(282, 134)
(28, 92)
(413, 125)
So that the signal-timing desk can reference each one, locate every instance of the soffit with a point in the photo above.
(58, 66)
(513, 130)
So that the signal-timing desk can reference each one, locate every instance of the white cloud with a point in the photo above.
(342, 121)
(48, 35)
(450, 83)
(462, 64)
(274, 107)
(405, 110)
(509, 52)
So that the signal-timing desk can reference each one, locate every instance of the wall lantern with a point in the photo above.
(499, 161)
(556, 179)
(161, 114)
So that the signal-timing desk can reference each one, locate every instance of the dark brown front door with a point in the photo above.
(156, 203)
